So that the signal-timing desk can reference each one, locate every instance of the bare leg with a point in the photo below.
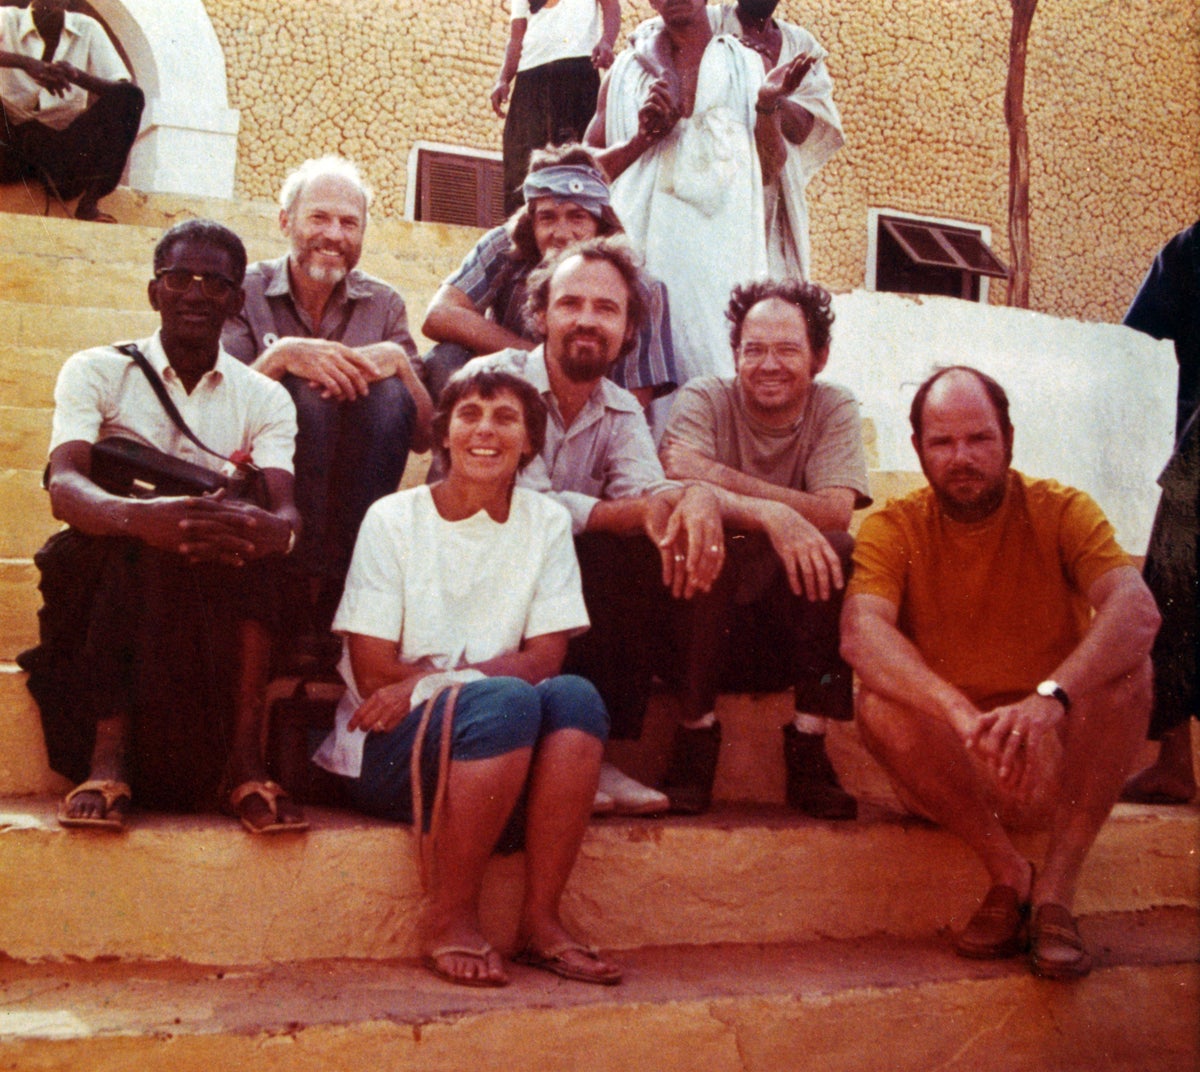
(481, 795)
(247, 762)
(930, 762)
(1171, 778)
(108, 764)
(562, 785)
(1104, 731)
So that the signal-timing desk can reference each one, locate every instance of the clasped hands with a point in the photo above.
(212, 528)
(57, 77)
(687, 529)
(1007, 738)
(334, 369)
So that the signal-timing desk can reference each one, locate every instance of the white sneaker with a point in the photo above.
(630, 797)
(603, 804)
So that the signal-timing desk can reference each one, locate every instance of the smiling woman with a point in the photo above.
(474, 582)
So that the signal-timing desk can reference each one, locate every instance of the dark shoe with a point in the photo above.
(1056, 949)
(692, 769)
(812, 783)
(998, 929)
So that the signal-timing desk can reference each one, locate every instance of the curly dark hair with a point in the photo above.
(996, 395)
(812, 299)
(487, 383)
(209, 231)
(520, 223)
(612, 249)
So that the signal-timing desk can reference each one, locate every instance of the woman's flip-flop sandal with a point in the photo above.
(554, 960)
(482, 954)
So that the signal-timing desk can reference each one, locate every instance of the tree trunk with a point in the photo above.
(1018, 154)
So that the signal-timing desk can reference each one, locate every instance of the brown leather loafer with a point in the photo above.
(998, 929)
(1056, 949)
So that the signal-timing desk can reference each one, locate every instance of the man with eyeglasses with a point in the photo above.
(338, 340)
(784, 452)
(158, 616)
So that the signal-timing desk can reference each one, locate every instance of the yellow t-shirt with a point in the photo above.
(996, 605)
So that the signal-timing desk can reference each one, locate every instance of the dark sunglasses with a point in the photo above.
(179, 281)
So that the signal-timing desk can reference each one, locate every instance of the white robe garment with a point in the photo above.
(786, 207)
(693, 203)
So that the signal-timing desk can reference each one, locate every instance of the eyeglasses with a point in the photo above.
(179, 281)
(753, 353)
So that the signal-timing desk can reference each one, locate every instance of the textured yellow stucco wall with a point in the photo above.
(1112, 98)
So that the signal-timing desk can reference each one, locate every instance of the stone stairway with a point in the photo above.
(752, 939)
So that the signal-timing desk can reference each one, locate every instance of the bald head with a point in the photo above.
(963, 437)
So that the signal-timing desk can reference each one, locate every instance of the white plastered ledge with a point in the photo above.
(188, 140)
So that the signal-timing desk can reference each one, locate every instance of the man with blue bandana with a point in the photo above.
(479, 309)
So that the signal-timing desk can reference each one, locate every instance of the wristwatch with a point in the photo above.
(1055, 691)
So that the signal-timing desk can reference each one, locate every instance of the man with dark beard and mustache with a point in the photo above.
(338, 340)
(641, 539)
(1002, 640)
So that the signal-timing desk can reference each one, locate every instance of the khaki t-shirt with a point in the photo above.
(822, 449)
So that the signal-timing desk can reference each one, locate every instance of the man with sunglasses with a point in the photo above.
(338, 340)
(784, 452)
(156, 629)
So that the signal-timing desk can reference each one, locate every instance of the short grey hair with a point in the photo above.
(336, 166)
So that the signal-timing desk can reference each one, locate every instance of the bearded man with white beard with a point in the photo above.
(643, 541)
(338, 340)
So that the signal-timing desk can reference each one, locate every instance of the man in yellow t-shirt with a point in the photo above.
(1002, 639)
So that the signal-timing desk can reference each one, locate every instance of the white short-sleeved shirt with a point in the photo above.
(453, 591)
(83, 44)
(560, 30)
(101, 393)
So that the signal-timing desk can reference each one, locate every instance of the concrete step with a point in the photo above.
(903, 1005)
(199, 889)
(27, 373)
(24, 433)
(150, 214)
(24, 769)
(61, 330)
(57, 259)
(74, 279)
(25, 518)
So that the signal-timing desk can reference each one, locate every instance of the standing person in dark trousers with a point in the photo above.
(1167, 306)
(556, 49)
(68, 110)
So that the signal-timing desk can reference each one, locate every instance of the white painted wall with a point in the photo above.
(188, 140)
(1093, 405)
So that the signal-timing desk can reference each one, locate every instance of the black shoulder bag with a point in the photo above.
(125, 467)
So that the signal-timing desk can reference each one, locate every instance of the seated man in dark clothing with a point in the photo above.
(155, 633)
(337, 339)
(783, 448)
(480, 309)
(68, 111)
